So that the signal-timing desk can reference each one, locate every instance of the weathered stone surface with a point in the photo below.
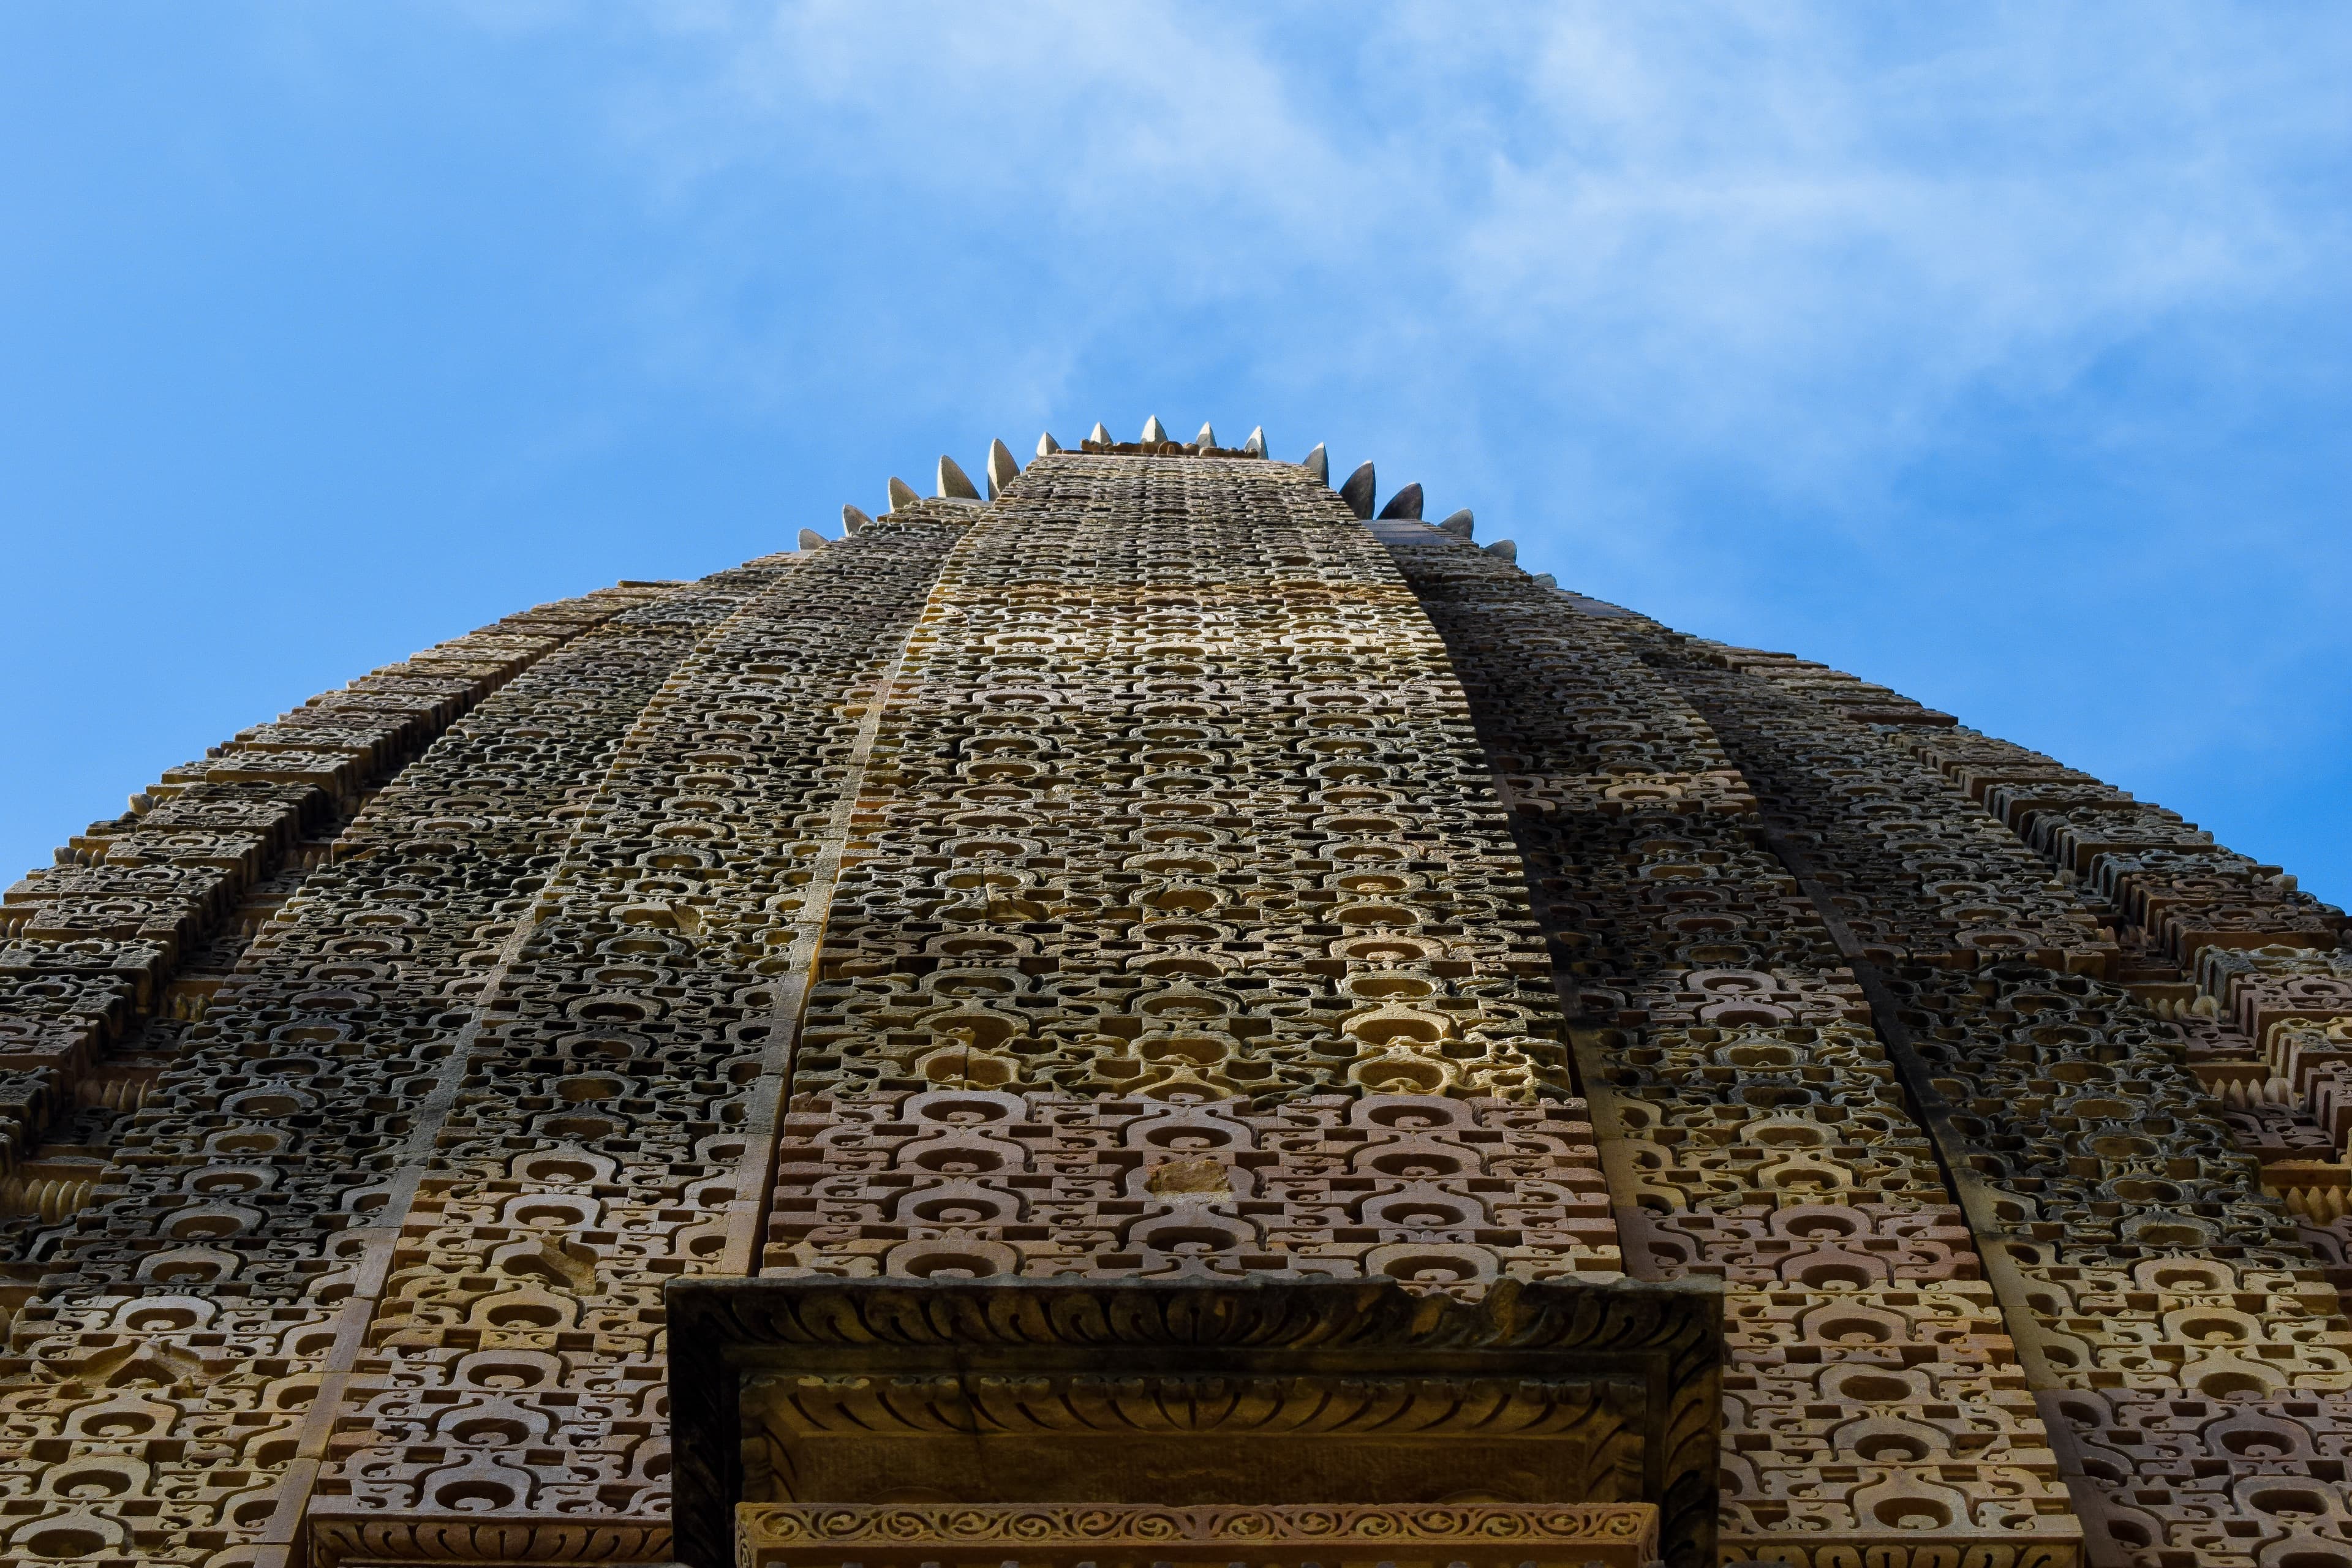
(1614, 1534)
(1258, 1392)
(1160, 1017)
(1440, 1195)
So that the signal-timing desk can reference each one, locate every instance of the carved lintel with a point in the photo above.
(1022, 1380)
(772, 1535)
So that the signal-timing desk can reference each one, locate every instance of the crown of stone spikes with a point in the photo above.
(1001, 468)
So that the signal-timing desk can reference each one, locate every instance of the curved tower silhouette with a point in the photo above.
(1160, 1016)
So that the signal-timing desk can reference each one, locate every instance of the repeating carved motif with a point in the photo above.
(625, 1042)
(1161, 964)
(107, 956)
(182, 1233)
(2086, 984)
(1753, 1124)
(318, 1143)
(1440, 1195)
(1178, 798)
(1007, 1390)
(1610, 1533)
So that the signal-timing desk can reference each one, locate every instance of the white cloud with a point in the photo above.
(1696, 298)
(1804, 233)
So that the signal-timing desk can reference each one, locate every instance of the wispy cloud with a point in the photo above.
(1805, 232)
(1645, 276)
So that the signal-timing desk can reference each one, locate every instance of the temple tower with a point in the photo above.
(1157, 1017)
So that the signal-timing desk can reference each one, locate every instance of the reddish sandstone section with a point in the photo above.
(1440, 1194)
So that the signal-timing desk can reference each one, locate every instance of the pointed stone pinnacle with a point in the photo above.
(854, 521)
(901, 493)
(1100, 437)
(812, 540)
(1405, 503)
(1207, 437)
(1047, 445)
(1001, 470)
(1460, 522)
(1256, 444)
(954, 483)
(1357, 492)
(1318, 465)
(1154, 431)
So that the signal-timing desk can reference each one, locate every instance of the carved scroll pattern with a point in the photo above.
(191, 1322)
(1609, 1533)
(1752, 1124)
(2079, 972)
(1178, 798)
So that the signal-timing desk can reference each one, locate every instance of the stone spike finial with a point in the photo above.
(1100, 437)
(1460, 522)
(1319, 463)
(1154, 431)
(954, 483)
(1001, 470)
(812, 540)
(854, 521)
(1047, 445)
(1256, 444)
(901, 493)
(1207, 437)
(1357, 492)
(1405, 503)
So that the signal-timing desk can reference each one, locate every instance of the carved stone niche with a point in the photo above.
(1279, 1398)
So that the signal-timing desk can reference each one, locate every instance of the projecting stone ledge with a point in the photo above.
(341, 1537)
(787, 1536)
(1362, 1398)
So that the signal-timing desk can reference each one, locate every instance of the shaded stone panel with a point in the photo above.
(2141, 1260)
(606, 1119)
(1753, 1125)
(1263, 1391)
(196, 1322)
(108, 957)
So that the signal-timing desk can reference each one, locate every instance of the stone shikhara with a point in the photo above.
(1162, 1016)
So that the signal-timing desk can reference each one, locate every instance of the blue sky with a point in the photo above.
(2002, 353)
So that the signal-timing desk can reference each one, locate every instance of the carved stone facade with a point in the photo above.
(1370, 1395)
(1159, 1017)
(1613, 1535)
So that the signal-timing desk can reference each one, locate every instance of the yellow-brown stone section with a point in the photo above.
(1753, 1125)
(1158, 875)
(1177, 795)
(1616, 1535)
